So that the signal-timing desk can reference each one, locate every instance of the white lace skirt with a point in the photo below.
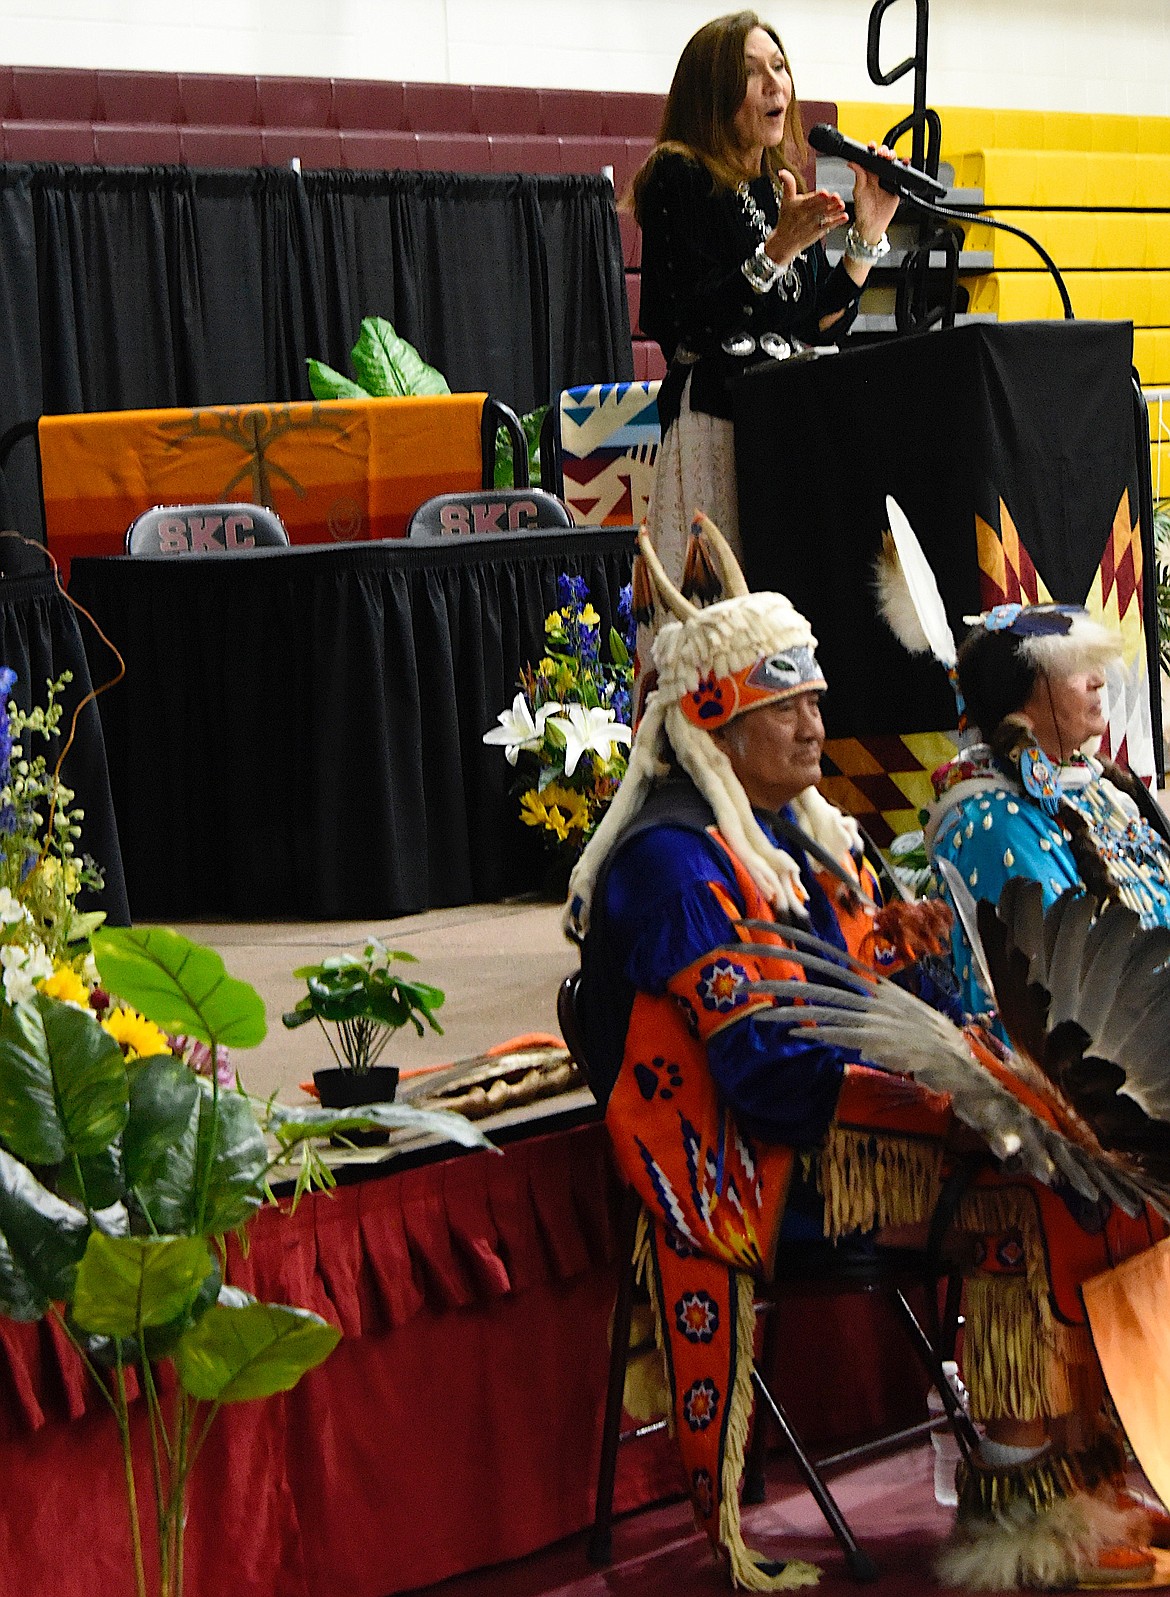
(695, 471)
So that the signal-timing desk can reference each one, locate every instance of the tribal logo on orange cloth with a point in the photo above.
(777, 676)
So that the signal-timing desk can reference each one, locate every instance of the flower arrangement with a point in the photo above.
(44, 937)
(571, 719)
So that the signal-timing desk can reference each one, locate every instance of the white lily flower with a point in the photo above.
(589, 731)
(518, 729)
(22, 969)
(11, 909)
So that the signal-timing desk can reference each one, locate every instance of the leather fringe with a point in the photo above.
(1103, 1462)
(1041, 1482)
(1019, 1360)
(646, 1275)
(750, 1571)
(870, 1180)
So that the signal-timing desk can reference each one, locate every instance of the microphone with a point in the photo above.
(893, 175)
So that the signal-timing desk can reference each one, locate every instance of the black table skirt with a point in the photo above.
(40, 637)
(299, 731)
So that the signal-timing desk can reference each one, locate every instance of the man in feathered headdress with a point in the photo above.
(711, 1112)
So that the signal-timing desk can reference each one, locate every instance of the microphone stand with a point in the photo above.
(964, 214)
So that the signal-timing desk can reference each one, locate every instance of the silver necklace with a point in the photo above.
(788, 286)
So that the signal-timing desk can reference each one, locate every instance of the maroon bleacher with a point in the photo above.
(114, 118)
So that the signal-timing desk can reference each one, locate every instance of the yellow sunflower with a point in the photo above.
(573, 806)
(133, 1032)
(67, 985)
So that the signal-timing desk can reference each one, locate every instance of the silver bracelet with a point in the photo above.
(761, 270)
(856, 248)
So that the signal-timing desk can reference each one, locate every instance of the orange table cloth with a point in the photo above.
(334, 470)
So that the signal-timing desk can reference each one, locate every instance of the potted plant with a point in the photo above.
(389, 367)
(359, 1001)
(122, 1170)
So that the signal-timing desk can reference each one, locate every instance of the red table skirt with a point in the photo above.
(458, 1423)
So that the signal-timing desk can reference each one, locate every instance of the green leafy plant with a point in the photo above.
(365, 1002)
(505, 474)
(387, 367)
(119, 1179)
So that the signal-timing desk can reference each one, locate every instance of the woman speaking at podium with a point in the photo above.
(733, 260)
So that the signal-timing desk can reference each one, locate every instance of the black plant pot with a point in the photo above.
(351, 1089)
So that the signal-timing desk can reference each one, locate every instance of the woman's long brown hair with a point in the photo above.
(707, 90)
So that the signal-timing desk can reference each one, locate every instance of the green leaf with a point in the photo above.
(160, 1145)
(239, 1162)
(242, 1349)
(290, 1124)
(503, 471)
(42, 1239)
(82, 926)
(338, 995)
(292, 1018)
(160, 1340)
(180, 985)
(63, 1087)
(426, 996)
(184, 1147)
(388, 366)
(326, 383)
(618, 652)
(102, 1182)
(125, 1282)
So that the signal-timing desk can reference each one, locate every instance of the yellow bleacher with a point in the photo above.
(1093, 189)
(1139, 297)
(1081, 241)
(1091, 179)
(1151, 355)
(973, 127)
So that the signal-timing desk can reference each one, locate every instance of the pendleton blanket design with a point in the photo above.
(334, 471)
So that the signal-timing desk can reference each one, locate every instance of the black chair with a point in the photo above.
(205, 529)
(800, 1270)
(486, 511)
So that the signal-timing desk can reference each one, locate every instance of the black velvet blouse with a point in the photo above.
(696, 236)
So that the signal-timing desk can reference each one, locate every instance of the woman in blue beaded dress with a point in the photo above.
(1034, 799)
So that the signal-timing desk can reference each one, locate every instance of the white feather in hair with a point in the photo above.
(908, 596)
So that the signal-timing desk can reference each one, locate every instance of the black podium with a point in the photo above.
(1014, 453)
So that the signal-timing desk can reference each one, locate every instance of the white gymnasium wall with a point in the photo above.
(1077, 55)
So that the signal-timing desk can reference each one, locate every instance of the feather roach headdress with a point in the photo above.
(1053, 638)
(712, 663)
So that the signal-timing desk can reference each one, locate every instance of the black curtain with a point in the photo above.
(1038, 414)
(124, 288)
(299, 733)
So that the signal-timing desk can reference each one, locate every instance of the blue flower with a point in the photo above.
(627, 625)
(7, 683)
(573, 592)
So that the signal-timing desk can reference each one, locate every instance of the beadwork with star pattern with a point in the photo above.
(990, 831)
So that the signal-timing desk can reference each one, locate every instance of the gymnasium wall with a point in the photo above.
(1075, 55)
